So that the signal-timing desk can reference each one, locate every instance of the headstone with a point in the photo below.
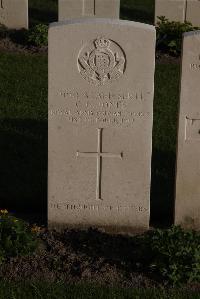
(69, 9)
(193, 12)
(187, 207)
(14, 13)
(100, 123)
(173, 10)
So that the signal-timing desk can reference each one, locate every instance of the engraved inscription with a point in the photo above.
(195, 66)
(192, 129)
(98, 155)
(97, 208)
(2, 4)
(101, 61)
(102, 117)
(102, 109)
(104, 96)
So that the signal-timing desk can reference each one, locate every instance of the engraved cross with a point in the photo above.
(99, 155)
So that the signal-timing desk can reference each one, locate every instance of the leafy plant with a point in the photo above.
(38, 35)
(174, 254)
(16, 237)
(169, 35)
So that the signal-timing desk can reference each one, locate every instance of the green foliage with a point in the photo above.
(38, 35)
(169, 35)
(174, 254)
(16, 237)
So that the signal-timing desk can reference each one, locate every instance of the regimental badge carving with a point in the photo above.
(101, 61)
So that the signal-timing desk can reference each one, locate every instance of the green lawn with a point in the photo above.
(43, 11)
(63, 291)
(164, 142)
(23, 131)
(137, 10)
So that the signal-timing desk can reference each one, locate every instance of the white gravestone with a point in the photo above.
(178, 10)
(187, 207)
(14, 13)
(193, 12)
(69, 9)
(100, 124)
(173, 10)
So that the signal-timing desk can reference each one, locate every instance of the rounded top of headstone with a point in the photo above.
(103, 20)
(191, 33)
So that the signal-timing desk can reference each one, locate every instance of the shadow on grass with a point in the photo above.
(138, 15)
(122, 252)
(38, 16)
(162, 188)
(23, 172)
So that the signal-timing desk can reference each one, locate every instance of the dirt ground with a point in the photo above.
(7, 45)
(76, 256)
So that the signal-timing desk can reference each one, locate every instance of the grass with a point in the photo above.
(60, 290)
(23, 130)
(43, 11)
(166, 100)
(137, 10)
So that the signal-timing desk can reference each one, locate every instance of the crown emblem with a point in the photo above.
(102, 43)
(101, 61)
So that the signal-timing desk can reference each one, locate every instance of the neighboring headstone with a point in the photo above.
(193, 12)
(69, 9)
(14, 13)
(101, 82)
(187, 207)
(173, 10)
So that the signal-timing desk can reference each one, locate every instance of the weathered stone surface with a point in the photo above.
(193, 12)
(174, 10)
(100, 123)
(14, 13)
(187, 207)
(69, 9)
